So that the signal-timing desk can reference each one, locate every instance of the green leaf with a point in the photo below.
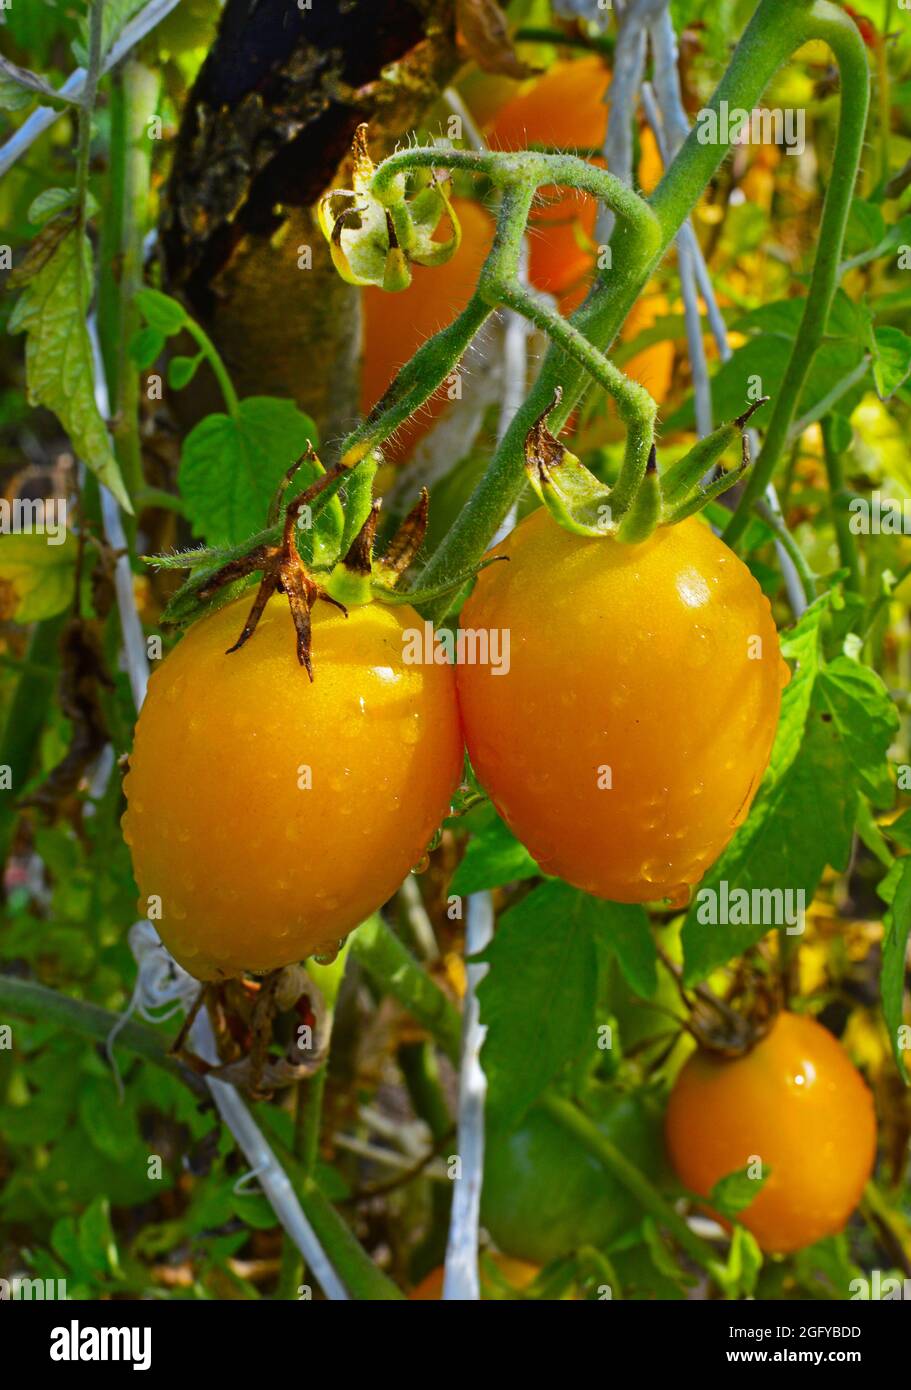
(892, 362)
(623, 930)
(109, 1125)
(42, 575)
(892, 984)
(733, 1194)
(19, 87)
(837, 722)
(115, 15)
(494, 856)
(766, 358)
(230, 466)
(538, 998)
(866, 226)
(58, 355)
(49, 203)
(161, 311)
(743, 1264)
(181, 371)
(146, 346)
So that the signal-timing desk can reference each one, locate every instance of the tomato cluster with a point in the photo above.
(268, 816)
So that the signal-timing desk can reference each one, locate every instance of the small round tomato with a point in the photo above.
(624, 734)
(269, 816)
(544, 1195)
(395, 325)
(795, 1102)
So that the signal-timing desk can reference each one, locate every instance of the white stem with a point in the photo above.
(461, 1273)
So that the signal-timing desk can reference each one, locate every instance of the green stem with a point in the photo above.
(821, 21)
(774, 31)
(391, 966)
(571, 1119)
(25, 721)
(31, 1000)
(362, 1278)
(839, 495)
(805, 574)
(211, 354)
(308, 1109)
(89, 94)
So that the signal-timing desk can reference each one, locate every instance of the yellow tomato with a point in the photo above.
(626, 740)
(268, 816)
(798, 1105)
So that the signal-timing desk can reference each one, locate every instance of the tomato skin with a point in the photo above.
(544, 1195)
(635, 659)
(799, 1104)
(253, 869)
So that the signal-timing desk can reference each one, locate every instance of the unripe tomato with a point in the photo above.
(269, 815)
(626, 740)
(545, 1195)
(798, 1104)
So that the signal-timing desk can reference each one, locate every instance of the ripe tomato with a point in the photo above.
(269, 815)
(395, 325)
(797, 1103)
(544, 1195)
(626, 740)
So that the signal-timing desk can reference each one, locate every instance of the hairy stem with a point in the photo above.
(839, 495)
(821, 21)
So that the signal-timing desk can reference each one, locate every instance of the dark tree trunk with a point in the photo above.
(265, 130)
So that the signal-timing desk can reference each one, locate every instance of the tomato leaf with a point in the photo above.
(230, 466)
(759, 367)
(42, 575)
(892, 363)
(892, 984)
(622, 929)
(161, 311)
(494, 856)
(538, 998)
(58, 356)
(734, 1193)
(837, 722)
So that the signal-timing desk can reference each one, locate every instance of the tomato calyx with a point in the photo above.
(732, 1026)
(585, 505)
(243, 1013)
(375, 241)
(283, 571)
